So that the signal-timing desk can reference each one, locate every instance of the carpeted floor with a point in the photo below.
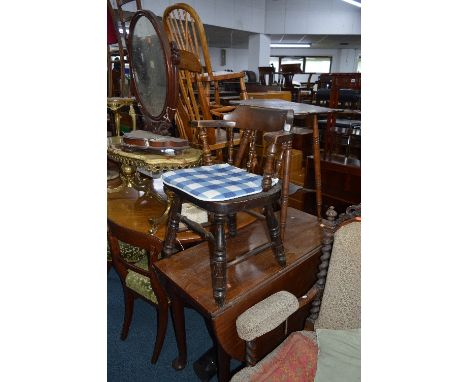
(129, 360)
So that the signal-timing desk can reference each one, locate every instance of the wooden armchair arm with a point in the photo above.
(202, 125)
(311, 295)
(267, 321)
(267, 314)
(221, 76)
(277, 137)
(270, 170)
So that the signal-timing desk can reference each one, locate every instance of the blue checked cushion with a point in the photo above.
(215, 183)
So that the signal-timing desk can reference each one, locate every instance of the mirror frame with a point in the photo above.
(163, 121)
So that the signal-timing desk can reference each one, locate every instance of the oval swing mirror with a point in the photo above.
(153, 70)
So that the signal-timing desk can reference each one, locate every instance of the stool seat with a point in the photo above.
(215, 183)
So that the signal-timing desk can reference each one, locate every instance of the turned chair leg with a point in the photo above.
(129, 302)
(232, 224)
(273, 229)
(172, 227)
(218, 261)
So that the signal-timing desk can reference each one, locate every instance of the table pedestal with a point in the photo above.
(115, 104)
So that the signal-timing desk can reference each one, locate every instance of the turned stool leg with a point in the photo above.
(232, 224)
(218, 261)
(172, 227)
(273, 228)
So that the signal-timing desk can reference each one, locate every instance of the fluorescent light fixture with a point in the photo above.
(352, 2)
(284, 45)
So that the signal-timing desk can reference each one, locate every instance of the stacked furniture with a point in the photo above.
(340, 137)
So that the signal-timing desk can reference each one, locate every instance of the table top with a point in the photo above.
(190, 270)
(298, 108)
(129, 208)
(151, 161)
(117, 102)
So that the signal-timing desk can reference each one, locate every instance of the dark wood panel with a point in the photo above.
(341, 183)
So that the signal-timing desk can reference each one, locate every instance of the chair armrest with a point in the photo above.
(266, 315)
(277, 137)
(220, 76)
(213, 123)
(311, 295)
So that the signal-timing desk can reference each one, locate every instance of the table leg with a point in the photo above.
(224, 363)
(172, 227)
(178, 318)
(318, 177)
(218, 261)
(156, 222)
(117, 122)
(133, 116)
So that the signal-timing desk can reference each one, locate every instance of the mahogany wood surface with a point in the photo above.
(187, 276)
(127, 208)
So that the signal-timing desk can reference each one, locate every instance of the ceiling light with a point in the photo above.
(284, 45)
(353, 2)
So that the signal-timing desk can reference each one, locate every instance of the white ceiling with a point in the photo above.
(321, 41)
(220, 37)
(232, 38)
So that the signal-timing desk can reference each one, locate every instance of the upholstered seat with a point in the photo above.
(215, 183)
(129, 252)
(295, 360)
(140, 283)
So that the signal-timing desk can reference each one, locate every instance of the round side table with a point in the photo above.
(152, 165)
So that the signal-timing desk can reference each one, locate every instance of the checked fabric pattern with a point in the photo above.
(215, 183)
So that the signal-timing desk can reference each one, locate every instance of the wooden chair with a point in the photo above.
(230, 189)
(251, 76)
(264, 73)
(139, 279)
(185, 28)
(192, 105)
(287, 72)
(307, 94)
(332, 305)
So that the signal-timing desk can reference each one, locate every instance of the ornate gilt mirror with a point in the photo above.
(153, 69)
